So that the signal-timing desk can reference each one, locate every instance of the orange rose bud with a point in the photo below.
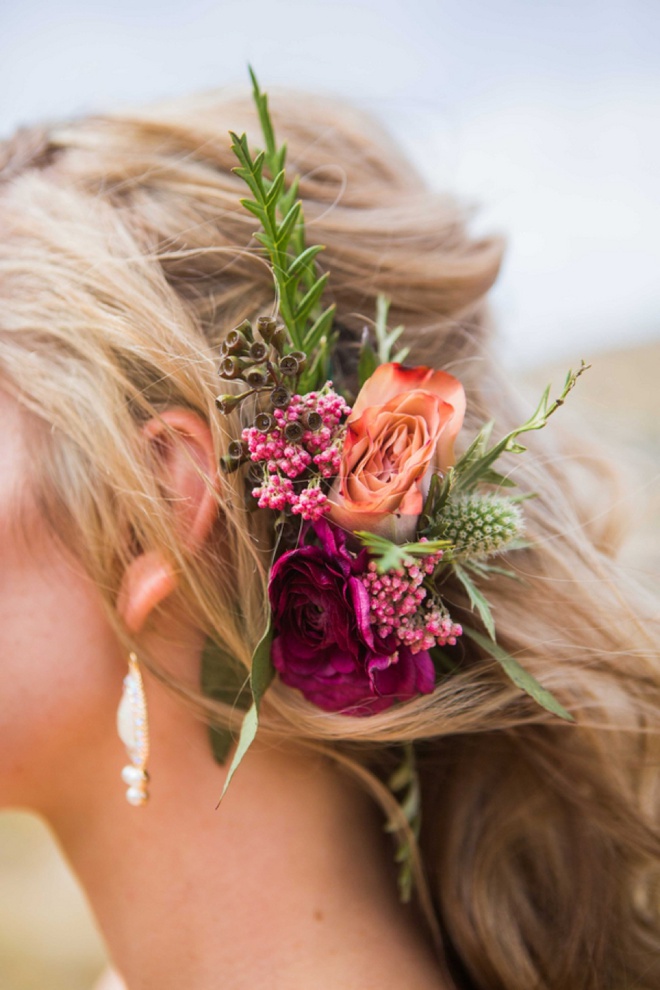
(401, 430)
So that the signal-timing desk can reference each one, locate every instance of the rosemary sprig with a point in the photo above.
(299, 285)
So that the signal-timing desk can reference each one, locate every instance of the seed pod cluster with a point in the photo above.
(260, 356)
(256, 356)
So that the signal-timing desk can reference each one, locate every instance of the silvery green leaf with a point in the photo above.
(520, 677)
(223, 679)
(260, 677)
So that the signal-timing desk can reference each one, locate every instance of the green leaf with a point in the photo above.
(304, 259)
(319, 328)
(477, 599)
(245, 740)
(260, 677)
(261, 103)
(520, 677)
(442, 662)
(222, 679)
(367, 362)
(254, 208)
(275, 190)
(311, 298)
(405, 781)
(262, 671)
(386, 339)
(486, 570)
(390, 556)
(288, 223)
(476, 462)
(491, 477)
(283, 237)
(439, 491)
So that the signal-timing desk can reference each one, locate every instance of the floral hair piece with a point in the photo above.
(373, 514)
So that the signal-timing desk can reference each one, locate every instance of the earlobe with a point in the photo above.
(185, 464)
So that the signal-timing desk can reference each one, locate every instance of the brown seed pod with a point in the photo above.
(294, 431)
(258, 350)
(256, 377)
(280, 397)
(235, 343)
(301, 358)
(263, 422)
(238, 450)
(231, 367)
(227, 403)
(279, 337)
(289, 366)
(245, 329)
(312, 421)
(266, 327)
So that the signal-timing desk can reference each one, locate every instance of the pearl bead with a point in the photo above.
(132, 775)
(136, 796)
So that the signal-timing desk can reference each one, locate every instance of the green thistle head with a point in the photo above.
(480, 525)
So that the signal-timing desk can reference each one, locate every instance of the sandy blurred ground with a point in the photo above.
(47, 938)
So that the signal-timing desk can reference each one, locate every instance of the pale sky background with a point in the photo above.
(545, 113)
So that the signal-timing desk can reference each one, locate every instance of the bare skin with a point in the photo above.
(288, 885)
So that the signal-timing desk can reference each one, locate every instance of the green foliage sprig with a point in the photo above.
(299, 285)
(371, 358)
(476, 465)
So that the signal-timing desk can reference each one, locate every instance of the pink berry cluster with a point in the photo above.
(314, 452)
(398, 606)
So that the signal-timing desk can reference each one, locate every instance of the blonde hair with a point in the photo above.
(126, 257)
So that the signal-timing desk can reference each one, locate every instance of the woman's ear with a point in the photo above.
(186, 467)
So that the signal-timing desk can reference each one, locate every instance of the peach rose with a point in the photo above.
(402, 428)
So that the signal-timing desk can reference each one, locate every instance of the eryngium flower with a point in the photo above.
(480, 525)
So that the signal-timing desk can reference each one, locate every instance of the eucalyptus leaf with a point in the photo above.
(245, 740)
(520, 677)
(261, 676)
(223, 679)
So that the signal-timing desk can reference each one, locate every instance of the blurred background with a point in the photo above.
(544, 116)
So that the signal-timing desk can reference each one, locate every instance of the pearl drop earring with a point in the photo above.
(133, 729)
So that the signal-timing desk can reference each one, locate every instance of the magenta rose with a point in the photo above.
(324, 644)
